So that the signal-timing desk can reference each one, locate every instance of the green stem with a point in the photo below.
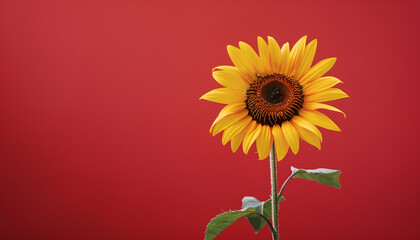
(274, 198)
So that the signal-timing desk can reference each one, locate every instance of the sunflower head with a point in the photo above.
(273, 97)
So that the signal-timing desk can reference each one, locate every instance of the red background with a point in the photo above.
(102, 135)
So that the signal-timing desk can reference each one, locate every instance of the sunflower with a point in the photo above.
(274, 97)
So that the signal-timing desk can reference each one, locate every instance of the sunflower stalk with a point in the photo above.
(274, 201)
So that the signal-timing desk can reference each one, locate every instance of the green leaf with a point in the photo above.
(224, 220)
(322, 175)
(252, 209)
(256, 221)
(252, 202)
(263, 208)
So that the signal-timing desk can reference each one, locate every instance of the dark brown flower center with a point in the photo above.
(274, 99)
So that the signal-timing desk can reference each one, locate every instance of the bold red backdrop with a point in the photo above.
(102, 135)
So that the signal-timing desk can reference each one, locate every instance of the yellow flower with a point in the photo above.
(273, 96)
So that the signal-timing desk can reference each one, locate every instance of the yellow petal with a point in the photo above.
(264, 142)
(231, 79)
(319, 119)
(308, 58)
(285, 57)
(263, 50)
(317, 71)
(274, 53)
(250, 138)
(246, 77)
(301, 122)
(240, 60)
(227, 121)
(237, 139)
(280, 142)
(320, 84)
(314, 106)
(225, 95)
(291, 135)
(227, 110)
(235, 129)
(326, 95)
(309, 137)
(296, 56)
(253, 57)
(226, 68)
